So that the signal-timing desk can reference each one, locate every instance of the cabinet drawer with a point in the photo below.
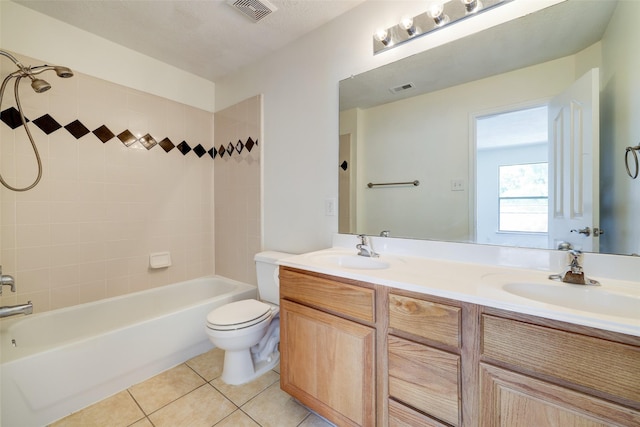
(425, 379)
(338, 297)
(437, 322)
(598, 364)
(403, 416)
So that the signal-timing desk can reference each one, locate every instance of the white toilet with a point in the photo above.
(249, 330)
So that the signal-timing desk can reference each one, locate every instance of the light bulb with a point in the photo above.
(472, 6)
(382, 36)
(407, 25)
(436, 12)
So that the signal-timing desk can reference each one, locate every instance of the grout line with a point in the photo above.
(141, 410)
(196, 372)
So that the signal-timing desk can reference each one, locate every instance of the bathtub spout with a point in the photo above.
(12, 310)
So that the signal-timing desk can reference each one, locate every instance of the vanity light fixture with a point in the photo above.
(440, 14)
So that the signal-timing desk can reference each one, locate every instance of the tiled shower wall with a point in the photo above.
(237, 189)
(86, 231)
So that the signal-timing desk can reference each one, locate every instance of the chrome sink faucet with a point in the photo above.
(365, 248)
(574, 273)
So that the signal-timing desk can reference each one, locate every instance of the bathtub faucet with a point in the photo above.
(6, 280)
(12, 310)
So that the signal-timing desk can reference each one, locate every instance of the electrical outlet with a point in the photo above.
(457, 185)
(330, 207)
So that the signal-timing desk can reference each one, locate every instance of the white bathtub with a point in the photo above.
(66, 359)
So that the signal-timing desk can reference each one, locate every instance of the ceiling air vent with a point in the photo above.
(402, 88)
(254, 9)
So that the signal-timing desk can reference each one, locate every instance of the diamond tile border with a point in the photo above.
(47, 124)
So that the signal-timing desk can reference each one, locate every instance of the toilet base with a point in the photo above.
(240, 367)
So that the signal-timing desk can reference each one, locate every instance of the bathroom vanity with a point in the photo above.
(392, 350)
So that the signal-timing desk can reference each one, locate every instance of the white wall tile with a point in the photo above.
(85, 232)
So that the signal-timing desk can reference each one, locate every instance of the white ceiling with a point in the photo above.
(208, 38)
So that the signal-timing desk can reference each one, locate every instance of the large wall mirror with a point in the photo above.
(515, 135)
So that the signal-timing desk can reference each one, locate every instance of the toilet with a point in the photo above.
(249, 330)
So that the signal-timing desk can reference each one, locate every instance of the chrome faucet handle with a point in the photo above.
(364, 248)
(6, 280)
(574, 256)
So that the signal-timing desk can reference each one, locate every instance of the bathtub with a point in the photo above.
(60, 361)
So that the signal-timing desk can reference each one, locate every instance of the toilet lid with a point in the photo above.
(239, 314)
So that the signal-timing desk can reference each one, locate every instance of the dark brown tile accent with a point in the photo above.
(103, 133)
(77, 129)
(167, 145)
(199, 150)
(148, 142)
(127, 137)
(183, 147)
(249, 145)
(47, 124)
(11, 117)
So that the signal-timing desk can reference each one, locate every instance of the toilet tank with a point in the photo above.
(267, 275)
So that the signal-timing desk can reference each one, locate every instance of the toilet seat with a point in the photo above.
(238, 315)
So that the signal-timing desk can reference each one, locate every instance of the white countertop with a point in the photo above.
(484, 284)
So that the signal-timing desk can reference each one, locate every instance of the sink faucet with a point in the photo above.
(365, 248)
(6, 280)
(574, 274)
(12, 310)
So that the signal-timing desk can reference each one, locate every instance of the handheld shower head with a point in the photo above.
(63, 72)
(40, 85)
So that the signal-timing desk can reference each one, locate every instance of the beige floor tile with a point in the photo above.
(314, 420)
(117, 410)
(204, 407)
(166, 387)
(275, 408)
(241, 394)
(143, 423)
(209, 364)
(237, 419)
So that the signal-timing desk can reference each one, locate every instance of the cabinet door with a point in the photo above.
(510, 399)
(328, 364)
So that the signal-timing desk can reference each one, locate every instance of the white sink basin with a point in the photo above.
(592, 299)
(608, 300)
(355, 262)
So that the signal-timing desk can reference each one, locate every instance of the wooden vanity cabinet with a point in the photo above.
(365, 355)
(544, 373)
(328, 346)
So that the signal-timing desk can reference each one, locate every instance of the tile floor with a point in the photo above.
(193, 395)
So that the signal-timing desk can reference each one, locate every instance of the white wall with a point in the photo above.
(300, 88)
(33, 34)
(428, 138)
